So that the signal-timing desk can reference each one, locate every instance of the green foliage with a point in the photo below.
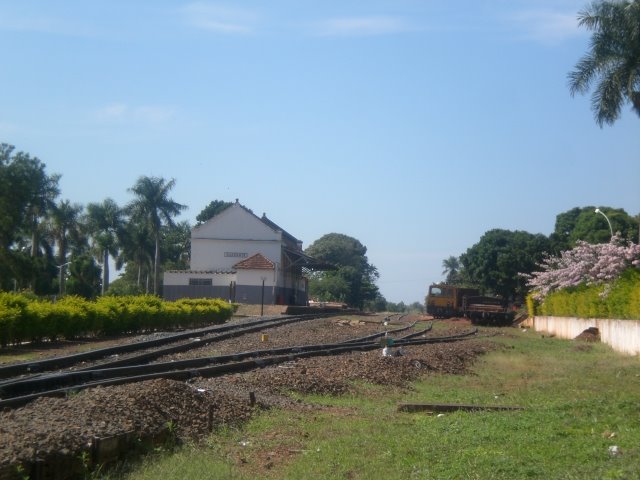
(497, 261)
(84, 277)
(583, 223)
(451, 268)
(106, 223)
(214, 208)
(613, 61)
(175, 246)
(154, 208)
(378, 304)
(532, 305)
(353, 280)
(620, 301)
(23, 318)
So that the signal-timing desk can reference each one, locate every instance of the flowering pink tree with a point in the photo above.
(588, 264)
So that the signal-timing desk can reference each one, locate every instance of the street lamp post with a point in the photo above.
(607, 219)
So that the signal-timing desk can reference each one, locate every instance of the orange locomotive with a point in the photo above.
(445, 301)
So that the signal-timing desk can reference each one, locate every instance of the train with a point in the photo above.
(446, 301)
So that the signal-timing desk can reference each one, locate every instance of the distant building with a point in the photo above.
(244, 258)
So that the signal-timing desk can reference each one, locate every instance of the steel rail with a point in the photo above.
(35, 384)
(26, 368)
(187, 368)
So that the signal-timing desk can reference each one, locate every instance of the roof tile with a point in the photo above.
(255, 262)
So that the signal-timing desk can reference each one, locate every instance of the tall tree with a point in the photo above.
(42, 202)
(65, 226)
(27, 193)
(496, 262)
(613, 59)
(153, 206)
(176, 245)
(137, 253)
(105, 222)
(353, 281)
(451, 268)
(583, 223)
(84, 279)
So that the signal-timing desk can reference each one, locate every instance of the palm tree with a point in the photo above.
(43, 191)
(451, 267)
(65, 223)
(614, 58)
(137, 249)
(105, 222)
(153, 207)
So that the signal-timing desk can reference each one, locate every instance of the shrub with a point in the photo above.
(619, 299)
(586, 264)
(23, 318)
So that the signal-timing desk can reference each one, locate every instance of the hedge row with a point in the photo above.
(621, 300)
(27, 319)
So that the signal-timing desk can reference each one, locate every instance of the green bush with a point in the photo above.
(532, 305)
(28, 319)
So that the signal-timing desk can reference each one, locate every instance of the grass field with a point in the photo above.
(580, 401)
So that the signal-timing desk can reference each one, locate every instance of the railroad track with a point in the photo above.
(19, 391)
(151, 348)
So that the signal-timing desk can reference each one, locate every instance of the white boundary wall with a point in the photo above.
(622, 335)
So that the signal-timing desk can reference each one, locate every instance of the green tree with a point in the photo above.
(583, 223)
(353, 281)
(613, 59)
(106, 223)
(137, 253)
(451, 269)
(153, 207)
(378, 304)
(495, 263)
(176, 245)
(84, 277)
(27, 194)
(65, 228)
(214, 208)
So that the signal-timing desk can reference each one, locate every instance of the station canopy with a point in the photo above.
(298, 259)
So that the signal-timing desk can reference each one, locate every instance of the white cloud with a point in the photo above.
(546, 26)
(121, 112)
(363, 26)
(220, 19)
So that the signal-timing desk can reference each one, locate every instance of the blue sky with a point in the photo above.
(412, 125)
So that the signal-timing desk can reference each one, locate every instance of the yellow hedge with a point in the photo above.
(620, 300)
(27, 319)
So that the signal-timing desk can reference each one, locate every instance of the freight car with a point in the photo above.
(445, 301)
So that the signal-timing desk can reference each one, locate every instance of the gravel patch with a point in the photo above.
(65, 427)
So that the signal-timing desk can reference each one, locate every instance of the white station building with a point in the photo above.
(243, 258)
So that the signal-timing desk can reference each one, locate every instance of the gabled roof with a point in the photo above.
(255, 262)
(277, 228)
(293, 241)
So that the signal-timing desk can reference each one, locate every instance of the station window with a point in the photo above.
(200, 281)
